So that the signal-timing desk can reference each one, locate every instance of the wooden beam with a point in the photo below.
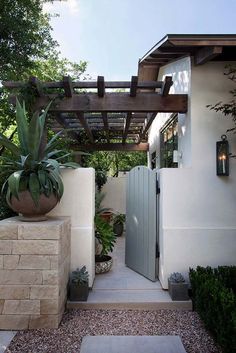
(147, 126)
(84, 123)
(61, 120)
(166, 86)
(156, 60)
(118, 102)
(106, 126)
(126, 128)
(206, 54)
(160, 56)
(87, 84)
(101, 86)
(202, 42)
(36, 85)
(127, 147)
(134, 85)
(68, 87)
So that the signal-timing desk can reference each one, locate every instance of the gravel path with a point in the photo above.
(78, 323)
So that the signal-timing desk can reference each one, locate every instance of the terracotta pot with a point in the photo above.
(106, 216)
(26, 206)
(103, 263)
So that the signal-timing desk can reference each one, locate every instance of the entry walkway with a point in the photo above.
(125, 289)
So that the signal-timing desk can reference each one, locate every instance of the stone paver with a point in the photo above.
(5, 339)
(132, 344)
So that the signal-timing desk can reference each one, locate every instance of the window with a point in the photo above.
(169, 143)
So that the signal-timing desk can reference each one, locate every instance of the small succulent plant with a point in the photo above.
(176, 277)
(80, 276)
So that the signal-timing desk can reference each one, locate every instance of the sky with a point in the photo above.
(113, 34)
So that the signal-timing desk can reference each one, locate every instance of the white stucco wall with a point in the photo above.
(78, 202)
(198, 208)
(115, 193)
(181, 74)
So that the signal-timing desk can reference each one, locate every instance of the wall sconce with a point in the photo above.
(222, 157)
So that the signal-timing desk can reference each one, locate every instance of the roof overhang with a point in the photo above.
(202, 47)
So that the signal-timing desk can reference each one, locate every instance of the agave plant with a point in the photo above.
(31, 165)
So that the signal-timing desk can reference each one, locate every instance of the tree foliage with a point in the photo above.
(228, 108)
(113, 162)
(25, 34)
(27, 48)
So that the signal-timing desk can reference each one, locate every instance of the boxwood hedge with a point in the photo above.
(214, 298)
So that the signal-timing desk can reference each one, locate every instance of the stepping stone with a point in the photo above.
(132, 344)
(5, 339)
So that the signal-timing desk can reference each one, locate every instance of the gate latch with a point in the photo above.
(157, 251)
(157, 188)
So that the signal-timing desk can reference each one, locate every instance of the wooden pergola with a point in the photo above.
(111, 120)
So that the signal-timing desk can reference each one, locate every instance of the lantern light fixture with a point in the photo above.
(222, 157)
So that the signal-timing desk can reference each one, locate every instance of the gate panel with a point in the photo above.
(141, 222)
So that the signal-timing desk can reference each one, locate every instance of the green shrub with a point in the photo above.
(5, 211)
(214, 299)
(105, 235)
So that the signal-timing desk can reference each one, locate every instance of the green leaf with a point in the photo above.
(34, 136)
(23, 183)
(9, 145)
(70, 165)
(24, 160)
(8, 197)
(54, 153)
(52, 163)
(60, 186)
(4, 187)
(14, 182)
(34, 188)
(64, 156)
(22, 127)
(48, 187)
(41, 122)
(42, 178)
(52, 143)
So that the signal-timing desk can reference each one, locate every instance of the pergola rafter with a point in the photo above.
(123, 118)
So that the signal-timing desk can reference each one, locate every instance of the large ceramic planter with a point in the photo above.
(78, 292)
(178, 291)
(103, 263)
(27, 208)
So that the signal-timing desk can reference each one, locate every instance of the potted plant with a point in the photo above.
(106, 237)
(33, 184)
(79, 288)
(104, 212)
(178, 287)
(118, 224)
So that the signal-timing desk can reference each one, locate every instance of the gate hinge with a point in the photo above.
(157, 188)
(157, 251)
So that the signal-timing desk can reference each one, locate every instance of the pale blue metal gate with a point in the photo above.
(141, 251)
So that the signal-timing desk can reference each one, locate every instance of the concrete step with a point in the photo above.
(130, 299)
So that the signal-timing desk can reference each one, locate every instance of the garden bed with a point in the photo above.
(79, 323)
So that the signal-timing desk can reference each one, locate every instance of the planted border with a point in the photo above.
(214, 298)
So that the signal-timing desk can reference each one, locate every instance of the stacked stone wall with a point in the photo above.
(34, 272)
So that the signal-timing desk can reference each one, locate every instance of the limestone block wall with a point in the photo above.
(34, 272)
